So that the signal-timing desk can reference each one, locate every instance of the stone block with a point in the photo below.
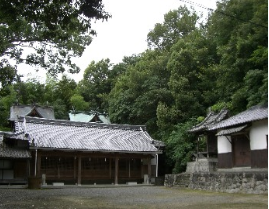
(58, 184)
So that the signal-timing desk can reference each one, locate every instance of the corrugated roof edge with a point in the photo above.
(94, 151)
(216, 116)
(82, 124)
(232, 121)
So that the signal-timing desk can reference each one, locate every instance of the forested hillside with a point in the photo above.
(189, 67)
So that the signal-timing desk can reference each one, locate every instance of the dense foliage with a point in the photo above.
(188, 68)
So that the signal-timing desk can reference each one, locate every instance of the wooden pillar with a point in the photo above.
(207, 147)
(149, 169)
(79, 170)
(142, 167)
(110, 173)
(197, 149)
(58, 168)
(129, 168)
(28, 171)
(38, 164)
(116, 170)
(75, 167)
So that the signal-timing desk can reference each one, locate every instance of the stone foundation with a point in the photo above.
(202, 165)
(231, 182)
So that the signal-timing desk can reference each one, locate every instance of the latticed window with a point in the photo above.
(64, 163)
(123, 164)
(49, 162)
(135, 164)
(95, 163)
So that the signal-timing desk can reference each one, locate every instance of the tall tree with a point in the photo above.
(96, 84)
(177, 24)
(240, 31)
(53, 31)
(65, 88)
(136, 94)
(30, 92)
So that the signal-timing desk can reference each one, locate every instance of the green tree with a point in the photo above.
(30, 92)
(65, 89)
(8, 97)
(136, 94)
(8, 75)
(96, 84)
(177, 24)
(240, 32)
(53, 32)
(180, 146)
(78, 103)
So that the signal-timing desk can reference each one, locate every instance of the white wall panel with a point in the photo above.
(257, 135)
(224, 145)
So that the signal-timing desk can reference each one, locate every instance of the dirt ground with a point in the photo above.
(127, 197)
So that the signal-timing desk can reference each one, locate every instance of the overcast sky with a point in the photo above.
(126, 32)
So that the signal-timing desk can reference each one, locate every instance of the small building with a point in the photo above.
(209, 137)
(243, 139)
(15, 155)
(241, 165)
(14, 159)
(206, 153)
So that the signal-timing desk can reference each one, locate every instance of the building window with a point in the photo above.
(135, 164)
(95, 163)
(49, 162)
(6, 169)
(64, 163)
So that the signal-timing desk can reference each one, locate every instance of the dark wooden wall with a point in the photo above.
(259, 158)
(225, 160)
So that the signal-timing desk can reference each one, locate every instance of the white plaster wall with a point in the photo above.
(257, 135)
(224, 145)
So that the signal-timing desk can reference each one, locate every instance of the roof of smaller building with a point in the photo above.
(10, 152)
(211, 119)
(254, 113)
(231, 130)
(89, 117)
(26, 110)
(80, 136)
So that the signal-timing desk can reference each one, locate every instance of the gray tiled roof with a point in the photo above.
(211, 118)
(231, 131)
(252, 114)
(10, 152)
(60, 134)
(24, 110)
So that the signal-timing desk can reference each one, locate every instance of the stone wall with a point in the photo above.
(231, 182)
